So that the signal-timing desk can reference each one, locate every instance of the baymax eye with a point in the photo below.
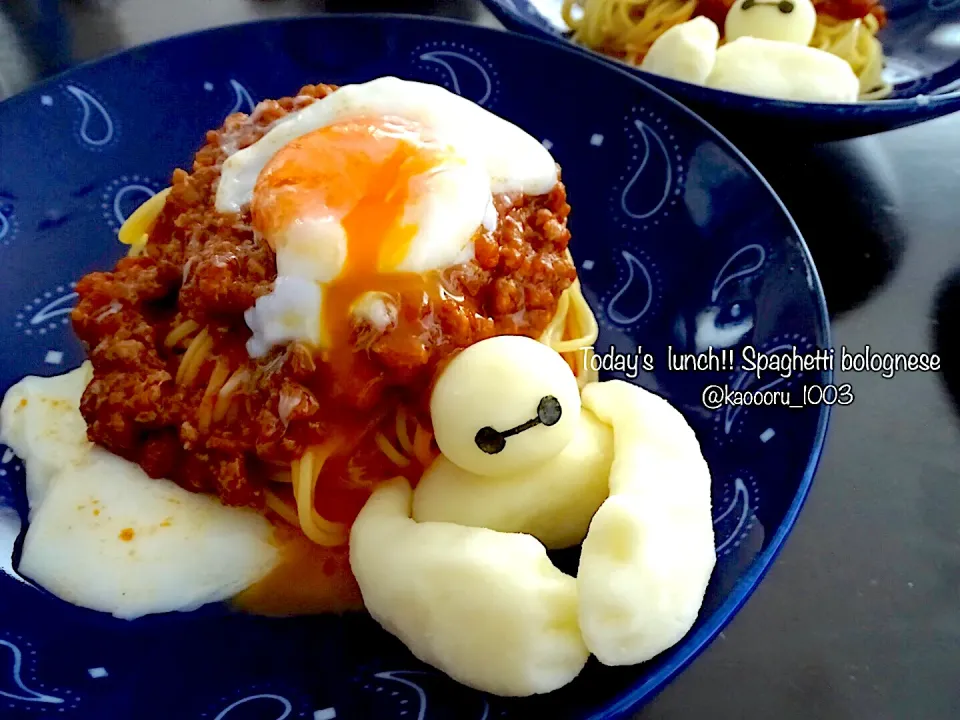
(549, 411)
(785, 6)
(492, 441)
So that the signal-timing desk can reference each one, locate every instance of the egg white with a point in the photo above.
(105, 536)
(513, 160)
(291, 311)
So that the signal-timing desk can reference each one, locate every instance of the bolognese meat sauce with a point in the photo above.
(201, 270)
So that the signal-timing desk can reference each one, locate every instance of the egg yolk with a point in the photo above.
(362, 174)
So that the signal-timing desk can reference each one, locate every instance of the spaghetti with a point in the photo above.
(304, 473)
(626, 29)
(136, 227)
(856, 42)
(276, 433)
(197, 351)
(572, 332)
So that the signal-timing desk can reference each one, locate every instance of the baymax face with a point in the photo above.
(503, 405)
(790, 21)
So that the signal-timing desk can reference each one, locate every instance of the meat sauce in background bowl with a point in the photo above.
(920, 42)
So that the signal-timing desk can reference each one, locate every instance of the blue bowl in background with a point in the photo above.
(679, 244)
(921, 42)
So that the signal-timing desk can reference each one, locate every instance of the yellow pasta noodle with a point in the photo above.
(624, 28)
(305, 472)
(856, 42)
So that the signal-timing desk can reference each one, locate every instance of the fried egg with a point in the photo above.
(381, 179)
(104, 535)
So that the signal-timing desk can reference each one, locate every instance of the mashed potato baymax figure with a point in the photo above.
(766, 53)
(457, 568)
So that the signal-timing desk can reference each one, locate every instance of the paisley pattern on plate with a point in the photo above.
(633, 293)
(657, 177)
(919, 42)
(20, 685)
(8, 224)
(124, 195)
(678, 242)
(11, 658)
(94, 128)
(734, 513)
(461, 69)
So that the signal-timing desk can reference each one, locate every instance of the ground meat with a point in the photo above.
(119, 405)
(160, 453)
(200, 271)
(225, 277)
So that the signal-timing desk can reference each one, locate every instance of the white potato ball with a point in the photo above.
(767, 68)
(109, 538)
(685, 52)
(103, 535)
(41, 422)
(554, 501)
(789, 21)
(649, 554)
(504, 404)
(487, 608)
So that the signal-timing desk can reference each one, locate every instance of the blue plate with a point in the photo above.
(921, 42)
(679, 243)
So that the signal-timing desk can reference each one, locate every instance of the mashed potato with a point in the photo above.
(105, 536)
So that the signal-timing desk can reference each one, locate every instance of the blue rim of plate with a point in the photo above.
(692, 644)
(901, 108)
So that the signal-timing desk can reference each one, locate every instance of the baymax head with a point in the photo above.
(790, 21)
(504, 404)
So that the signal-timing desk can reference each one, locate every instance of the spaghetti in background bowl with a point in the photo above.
(677, 243)
(921, 47)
